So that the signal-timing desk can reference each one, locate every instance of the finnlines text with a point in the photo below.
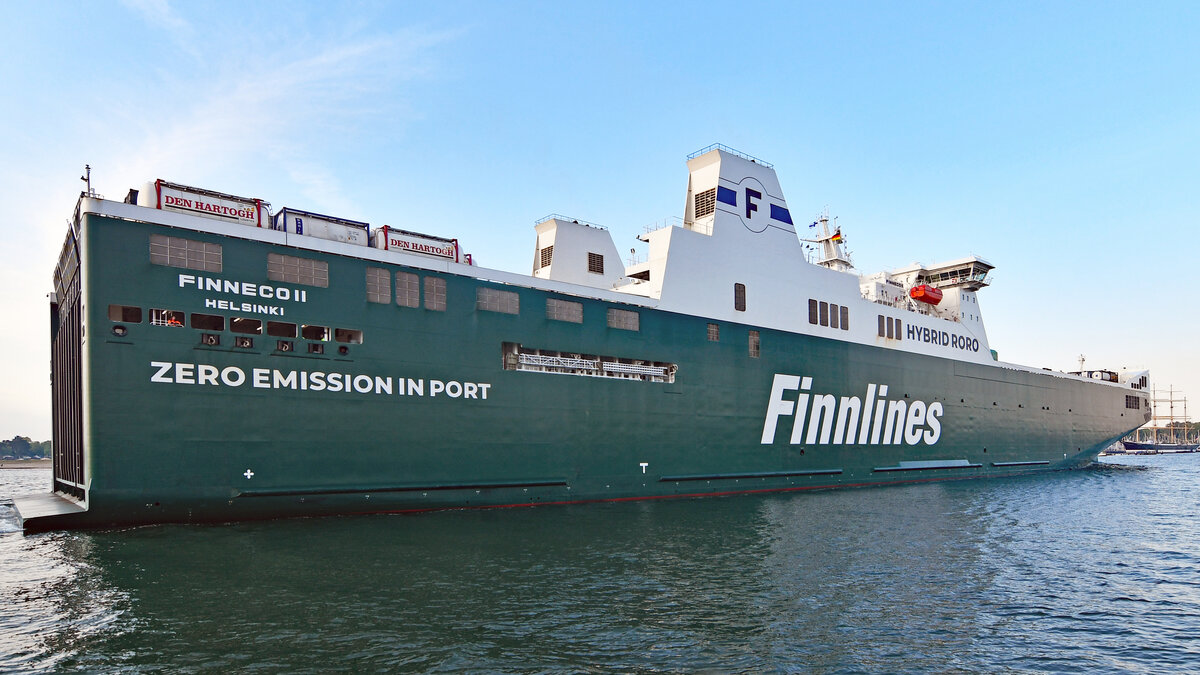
(873, 419)
(168, 372)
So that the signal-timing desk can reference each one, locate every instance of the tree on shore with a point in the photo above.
(22, 447)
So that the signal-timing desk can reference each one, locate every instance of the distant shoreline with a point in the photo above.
(25, 464)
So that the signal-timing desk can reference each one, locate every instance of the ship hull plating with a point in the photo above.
(428, 412)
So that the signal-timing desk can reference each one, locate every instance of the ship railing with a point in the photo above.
(568, 219)
(736, 153)
(545, 361)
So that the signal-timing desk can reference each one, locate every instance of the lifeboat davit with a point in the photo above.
(926, 293)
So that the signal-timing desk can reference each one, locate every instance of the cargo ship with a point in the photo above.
(216, 361)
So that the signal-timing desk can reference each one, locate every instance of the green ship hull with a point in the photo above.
(424, 410)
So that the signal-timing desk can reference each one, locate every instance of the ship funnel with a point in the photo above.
(730, 188)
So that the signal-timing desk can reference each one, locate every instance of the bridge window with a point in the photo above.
(824, 313)
(185, 253)
(293, 270)
(739, 297)
(595, 263)
(545, 255)
(812, 312)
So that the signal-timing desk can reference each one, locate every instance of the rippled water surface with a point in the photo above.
(1085, 571)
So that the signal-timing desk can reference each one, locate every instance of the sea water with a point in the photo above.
(1096, 570)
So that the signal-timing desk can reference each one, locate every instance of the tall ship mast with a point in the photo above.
(215, 360)
(1169, 428)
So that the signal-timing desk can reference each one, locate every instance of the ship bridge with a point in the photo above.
(970, 274)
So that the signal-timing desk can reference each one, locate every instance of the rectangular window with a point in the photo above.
(496, 300)
(595, 263)
(208, 322)
(824, 313)
(882, 333)
(812, 311)
(435, 294)
(545, 255)
(706, 203)
(623, 319)
(379, 285)
(185, 253)
(281, 329)
(316, 348)
(166, 317)
(347, 335)
(754, 344)
(314, 332)
(889, 328)
(408, 289)
(714, 332)
(833, 315)
(295, 270)
(899, 331)
(739, 297)
(124, 314)
(845, 311)
(246, 326)
(564, 310)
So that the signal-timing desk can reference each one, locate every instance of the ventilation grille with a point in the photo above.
(706, 203)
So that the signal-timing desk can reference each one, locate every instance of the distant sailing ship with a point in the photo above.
(212, 361)
(1167, 432)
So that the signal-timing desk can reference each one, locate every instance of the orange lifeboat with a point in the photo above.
(926, 293)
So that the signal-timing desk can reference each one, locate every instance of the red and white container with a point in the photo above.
(392, 239)
(200, 202)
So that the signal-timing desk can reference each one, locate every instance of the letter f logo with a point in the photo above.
(751, 206)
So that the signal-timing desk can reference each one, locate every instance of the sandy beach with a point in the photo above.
(25, 464)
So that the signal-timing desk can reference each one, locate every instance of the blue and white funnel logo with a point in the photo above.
(752, 204)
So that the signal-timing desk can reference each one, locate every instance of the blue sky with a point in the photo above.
(1057, 140)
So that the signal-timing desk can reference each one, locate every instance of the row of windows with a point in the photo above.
(408, 289)
(242, 325)
(290, 269)
(185, 253)
(178, 252)
(828, 314)
(890, 328)
(496, 300)
(198, 255)
(1134, 402)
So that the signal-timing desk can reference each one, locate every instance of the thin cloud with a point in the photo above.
(276, 116)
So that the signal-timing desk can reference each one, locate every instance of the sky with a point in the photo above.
(1059, 141)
